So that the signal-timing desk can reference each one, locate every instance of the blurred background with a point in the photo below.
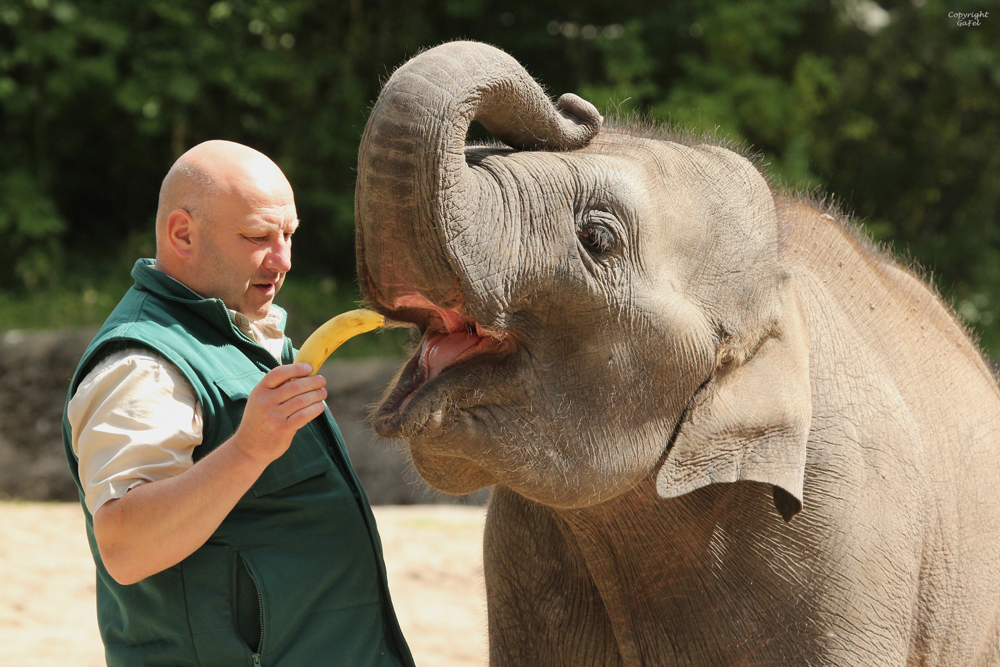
(892, 108)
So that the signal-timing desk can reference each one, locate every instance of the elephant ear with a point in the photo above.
(751, 421)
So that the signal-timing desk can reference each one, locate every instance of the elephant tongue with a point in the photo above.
(444, 349)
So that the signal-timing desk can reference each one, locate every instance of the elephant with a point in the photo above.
(721, 427)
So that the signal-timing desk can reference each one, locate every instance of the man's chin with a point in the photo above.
(257, 301)
(254, 310)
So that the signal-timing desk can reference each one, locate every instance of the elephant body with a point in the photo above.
(720, 427)
(893, 560)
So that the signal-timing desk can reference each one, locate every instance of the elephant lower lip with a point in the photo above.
(410, 383)
(439, 353)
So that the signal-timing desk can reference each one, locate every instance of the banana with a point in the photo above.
(334, 333)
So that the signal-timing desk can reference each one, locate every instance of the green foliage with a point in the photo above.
(893, 108)
(31, 225)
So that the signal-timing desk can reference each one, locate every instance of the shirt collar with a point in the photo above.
(269, 325)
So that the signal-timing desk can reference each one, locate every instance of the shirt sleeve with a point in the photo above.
(134, 419)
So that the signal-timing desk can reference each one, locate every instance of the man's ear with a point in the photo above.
(180, 229)
(751, 422)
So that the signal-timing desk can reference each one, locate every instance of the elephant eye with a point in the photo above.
(597, 239)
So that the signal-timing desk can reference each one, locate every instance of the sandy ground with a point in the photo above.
(433, 555)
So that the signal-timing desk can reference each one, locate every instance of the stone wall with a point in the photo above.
(35, 370)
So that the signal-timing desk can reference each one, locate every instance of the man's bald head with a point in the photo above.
(212, 173)
(224, 223)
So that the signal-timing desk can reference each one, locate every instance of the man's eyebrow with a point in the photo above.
(258, 228)
(261, 227)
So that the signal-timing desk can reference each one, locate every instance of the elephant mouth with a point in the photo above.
(450, 345)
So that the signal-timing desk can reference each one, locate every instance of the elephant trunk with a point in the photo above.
(416, 195)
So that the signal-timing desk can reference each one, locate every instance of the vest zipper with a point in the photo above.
(260, 602)
(260, 608)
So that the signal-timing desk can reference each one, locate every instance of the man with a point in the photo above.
(223, 514)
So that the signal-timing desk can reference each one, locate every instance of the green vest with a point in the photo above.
(294, 576)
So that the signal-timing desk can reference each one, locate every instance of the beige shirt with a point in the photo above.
(135, 418)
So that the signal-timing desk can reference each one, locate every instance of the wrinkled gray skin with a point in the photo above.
(721, 430)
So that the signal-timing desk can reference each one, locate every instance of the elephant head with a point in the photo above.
(598, 307)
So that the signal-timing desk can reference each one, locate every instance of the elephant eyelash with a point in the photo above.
(597, 239)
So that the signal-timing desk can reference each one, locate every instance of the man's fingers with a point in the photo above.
(303, 400)
(285, 400)
(302, 417)
(296, 386)
(282, 374)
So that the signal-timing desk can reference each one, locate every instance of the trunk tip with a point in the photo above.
(583, 111)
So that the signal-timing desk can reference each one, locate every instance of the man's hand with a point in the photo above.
(157, 525)
(285, 400)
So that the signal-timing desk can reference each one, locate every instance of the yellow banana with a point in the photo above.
(331, 335)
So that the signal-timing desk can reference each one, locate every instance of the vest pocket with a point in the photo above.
(248, 603)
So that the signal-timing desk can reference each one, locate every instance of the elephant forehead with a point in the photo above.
(720, 189)
(621, 161)
(703, 169)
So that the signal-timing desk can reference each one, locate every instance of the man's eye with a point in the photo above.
(257, 239)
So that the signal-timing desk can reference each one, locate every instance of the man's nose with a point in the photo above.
(280, 257)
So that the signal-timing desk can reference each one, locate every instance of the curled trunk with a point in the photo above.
(413, 180)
